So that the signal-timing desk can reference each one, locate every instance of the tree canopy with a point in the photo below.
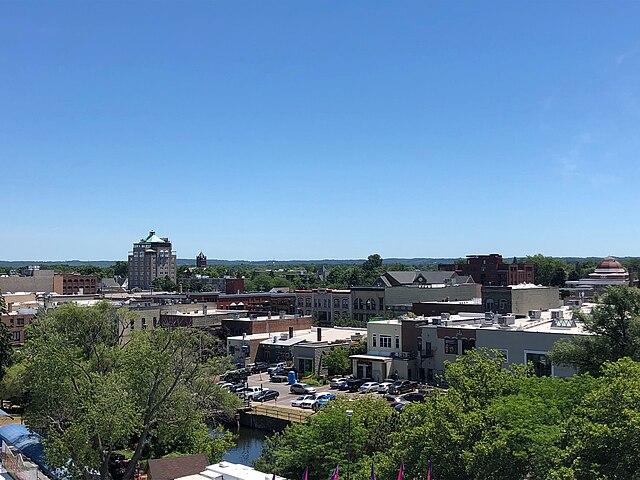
(492, 423)
(614, 325)
(93, 391)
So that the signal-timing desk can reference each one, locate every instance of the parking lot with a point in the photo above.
(262, 380)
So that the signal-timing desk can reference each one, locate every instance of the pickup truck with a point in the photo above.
(276, 368)
(402, 386)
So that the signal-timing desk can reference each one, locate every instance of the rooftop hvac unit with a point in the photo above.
(556, 314)
(436, 321)
(284, 336)
(445, 316)
(488, 318)
(535, 314)
(446, 323)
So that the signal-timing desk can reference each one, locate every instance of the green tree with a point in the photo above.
(614, 325)
(548, 270)
(372, 262)
(323, 441)
(337, 361)
(164, 284)
(6, 351)
(603, 434)
(94, 393)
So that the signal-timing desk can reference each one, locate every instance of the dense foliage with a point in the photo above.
(492, 423)
(93, 390)
(614, 325)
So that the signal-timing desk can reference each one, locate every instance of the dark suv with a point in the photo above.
(259, 367)
(353, 384)
(401, 386)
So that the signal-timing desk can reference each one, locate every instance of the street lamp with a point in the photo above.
(349, 415)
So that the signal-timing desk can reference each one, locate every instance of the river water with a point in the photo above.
(249, 446)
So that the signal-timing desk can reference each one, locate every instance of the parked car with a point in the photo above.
(302, 389)
(250, 392)
(236, 387)
(318, 400)
(322, 400)
(279, 379)
(236, 376)
(266, 395)
(225, 385)
(353, 384)
(384, 387)
(335, 382)
(259, 367)
(369, 387)
(276, 368)
(413, 397)
(402, 386)
(302, 398)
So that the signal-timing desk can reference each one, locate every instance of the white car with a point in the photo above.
(384, 387)
(311, 402)
(249, 392)
(301, 399)
(368, 387)
(336, 382)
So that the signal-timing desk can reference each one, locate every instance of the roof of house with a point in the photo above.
(397, 278)
(176, 467)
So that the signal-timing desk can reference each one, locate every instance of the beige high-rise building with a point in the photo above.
(151, 258)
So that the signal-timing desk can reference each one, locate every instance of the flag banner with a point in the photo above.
(334, 476)
(429, 471)
(401, 472)
(305, 474)
(373, 472)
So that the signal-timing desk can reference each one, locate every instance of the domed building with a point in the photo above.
(608, 272)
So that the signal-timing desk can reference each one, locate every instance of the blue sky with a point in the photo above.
(304, 130)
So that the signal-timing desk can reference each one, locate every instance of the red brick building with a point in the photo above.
(491, 270)
(73, 284)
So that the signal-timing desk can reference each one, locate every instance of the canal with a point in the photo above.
(249, 445)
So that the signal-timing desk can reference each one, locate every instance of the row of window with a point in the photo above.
(370, 304)
(490, 305)
(143, 323)
(325, 303)
(385, 341)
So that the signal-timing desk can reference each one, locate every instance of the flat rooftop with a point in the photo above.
(544, 324)
(307, 335)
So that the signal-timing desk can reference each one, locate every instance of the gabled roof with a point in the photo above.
(176, 467)
(153, 238)
(394, 279)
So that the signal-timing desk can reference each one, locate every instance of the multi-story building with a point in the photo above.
(520, 299)
(75, 284)
(31, 279)
(324, 304)
(201, 260)
(491, 270)
(418, 348)
(151, 258)
(367, 302)
(21, 309)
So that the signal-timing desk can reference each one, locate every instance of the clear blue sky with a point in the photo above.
(309, 129)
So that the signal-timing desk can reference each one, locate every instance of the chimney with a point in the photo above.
(319, 332)
(290, 332)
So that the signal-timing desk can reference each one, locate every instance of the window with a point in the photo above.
(397, 341)
(132, 325)
(503, 304)
(336, 303)
(345, 303)
(451, 346)
(419, 344)
(15, 336)
(155, 322)
(385, 341)
(489, 305)
(468, 344)
(144, 323)
(381, 303)
(541, 366)
(374, 340)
